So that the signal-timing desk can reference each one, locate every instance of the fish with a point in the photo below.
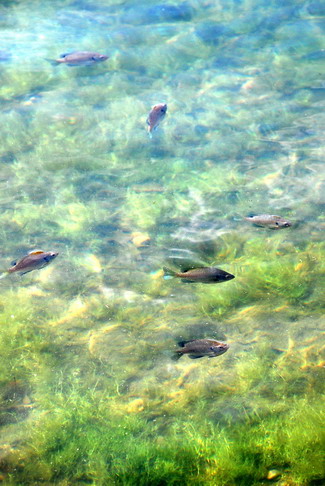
(197, 348)
(156, 115)
(270, 221)
(201, 274)
(35, 260)
(81, 58)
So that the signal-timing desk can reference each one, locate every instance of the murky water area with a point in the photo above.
(91, 391)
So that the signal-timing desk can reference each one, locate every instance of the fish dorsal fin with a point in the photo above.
(187, 268)
(35, 252)
(183, 343)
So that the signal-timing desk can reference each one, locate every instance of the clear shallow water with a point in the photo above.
(90, 393)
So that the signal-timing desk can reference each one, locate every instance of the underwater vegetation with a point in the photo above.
(89, 390)
(87, 425)
(275, 277)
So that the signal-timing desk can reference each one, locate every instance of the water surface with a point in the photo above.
(89, 391)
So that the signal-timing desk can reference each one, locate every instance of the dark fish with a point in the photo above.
(156, 115)
(271, 221)
(33, 261)
(203, 275)
(198, 348)
(80, 58)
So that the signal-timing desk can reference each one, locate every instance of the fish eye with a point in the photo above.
(277, 224)
(217, 348)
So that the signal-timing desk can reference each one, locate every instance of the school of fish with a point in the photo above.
(38, 259)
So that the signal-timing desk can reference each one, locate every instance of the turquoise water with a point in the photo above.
(89, 390)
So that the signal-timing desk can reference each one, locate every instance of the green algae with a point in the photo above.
(85, 428)
(88, 435)
(278, 277)
(89, 393)
(142, 210)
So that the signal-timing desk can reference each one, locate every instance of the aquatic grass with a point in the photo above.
(277, 276)
(13, 122)
(95, 448)
(141, 211)
(67, 216)
(273, 444)
(53, 154)
(212, 181)
(90, 338)
(73, 442)
(85, 435)
(154, 286)
(16, 83)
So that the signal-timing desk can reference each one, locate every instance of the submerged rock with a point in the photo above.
(316, 8)
(226, 61)
(267, 128)
(273, 474)
(136, 406)
(212, 33)
(201, 129)
(158, 13)
(315, 55)
(282, 15)
(170, 13)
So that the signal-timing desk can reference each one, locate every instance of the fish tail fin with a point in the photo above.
(168, 272)
(53, 62)
(181, 344)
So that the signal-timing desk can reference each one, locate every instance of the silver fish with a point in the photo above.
(156, 115)
(271, 221)
(197, 348)
(35, 260)
(80, 58)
